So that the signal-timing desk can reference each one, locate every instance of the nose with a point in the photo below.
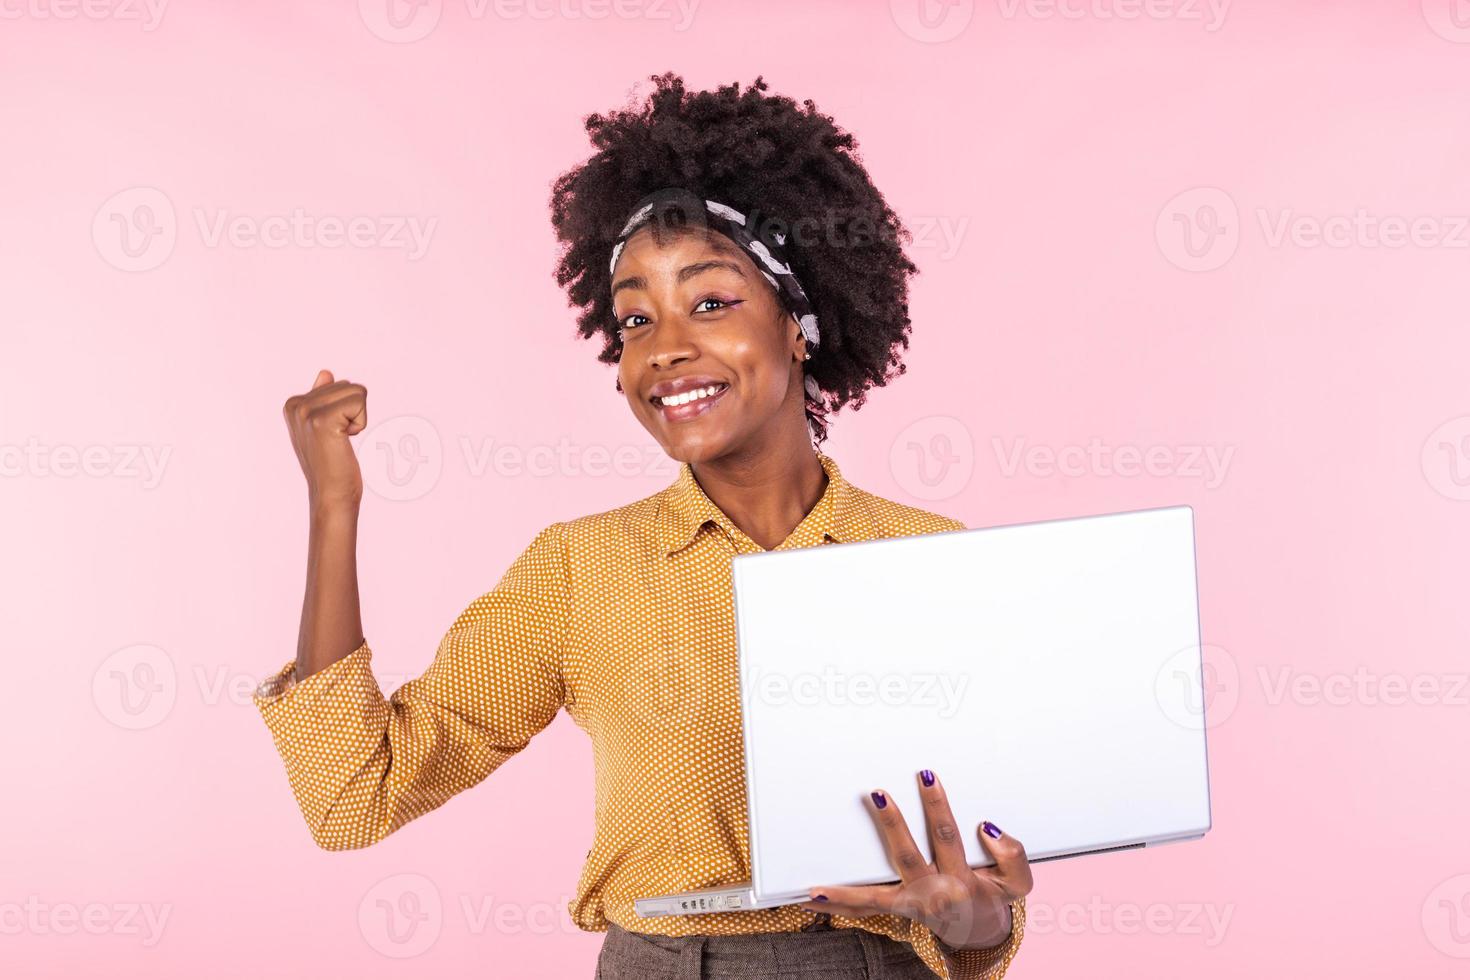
(671, 344)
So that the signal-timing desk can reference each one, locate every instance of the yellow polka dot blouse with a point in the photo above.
(593, 617)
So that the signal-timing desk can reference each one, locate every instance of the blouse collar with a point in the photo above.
(684, 509)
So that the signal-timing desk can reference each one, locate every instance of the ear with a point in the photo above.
(799, 340)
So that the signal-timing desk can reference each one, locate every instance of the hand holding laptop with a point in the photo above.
(967, 908)
(1052, 670)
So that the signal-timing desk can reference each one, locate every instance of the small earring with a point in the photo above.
(808, 356)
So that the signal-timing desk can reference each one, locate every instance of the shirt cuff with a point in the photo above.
(282, 695)
(989, 963)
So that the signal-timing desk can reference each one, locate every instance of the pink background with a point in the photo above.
(1115, 190)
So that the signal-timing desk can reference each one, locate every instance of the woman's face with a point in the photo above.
(696, 314)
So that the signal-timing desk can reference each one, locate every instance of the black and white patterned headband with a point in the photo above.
(765, 250)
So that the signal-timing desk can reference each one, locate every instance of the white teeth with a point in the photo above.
(686, 397)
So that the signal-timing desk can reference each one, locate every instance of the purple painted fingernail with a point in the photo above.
(928, 777)
(821, 897)
(991, 829)
(879, 800)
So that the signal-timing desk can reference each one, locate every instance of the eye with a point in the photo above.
(699, 307)
(624, 325)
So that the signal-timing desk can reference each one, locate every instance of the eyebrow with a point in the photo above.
(685, 274)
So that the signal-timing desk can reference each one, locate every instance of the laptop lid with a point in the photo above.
(1049, 673)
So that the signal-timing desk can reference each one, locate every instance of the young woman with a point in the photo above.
(747, 279)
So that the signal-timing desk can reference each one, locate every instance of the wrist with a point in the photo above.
(334, 512)
(984, 942)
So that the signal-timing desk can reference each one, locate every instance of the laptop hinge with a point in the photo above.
(1096, 850)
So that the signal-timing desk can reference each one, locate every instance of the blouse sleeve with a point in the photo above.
(362, 765)
(970, 964)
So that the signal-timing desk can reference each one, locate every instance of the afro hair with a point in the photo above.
(755, 152)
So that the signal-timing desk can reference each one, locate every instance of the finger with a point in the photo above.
(903, 853)
(944, 833)
(324, 388)
(853, 901)
(347, 409)
(1012, 868)
(356, 423)
(837, 908)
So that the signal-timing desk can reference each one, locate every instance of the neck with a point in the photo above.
(766, 494)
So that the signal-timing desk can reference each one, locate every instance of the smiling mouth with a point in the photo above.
(690, 404)
(694, 396)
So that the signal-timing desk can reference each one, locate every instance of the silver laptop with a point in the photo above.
(1049, 673)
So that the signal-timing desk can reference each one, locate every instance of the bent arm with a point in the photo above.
(362, 765)
(331, 615)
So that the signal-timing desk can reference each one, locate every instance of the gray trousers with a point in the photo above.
(823, 953)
